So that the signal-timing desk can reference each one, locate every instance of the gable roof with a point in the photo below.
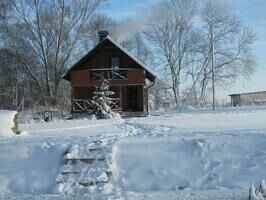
(149, 74)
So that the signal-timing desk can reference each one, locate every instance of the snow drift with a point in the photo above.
(8, 122)
(30, 167)
(190, 162)
(185, 108)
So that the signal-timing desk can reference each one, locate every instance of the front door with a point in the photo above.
(133, 100)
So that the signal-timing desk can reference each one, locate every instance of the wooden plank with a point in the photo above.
(94, 149)
(73, 161)
(121, 97)
(91, 183)
(67, 173)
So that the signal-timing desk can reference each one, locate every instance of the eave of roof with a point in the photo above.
(247, 93)
(151, 76)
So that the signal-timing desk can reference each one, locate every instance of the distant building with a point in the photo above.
(247, 99)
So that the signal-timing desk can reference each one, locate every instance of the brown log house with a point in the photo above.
(129, 78)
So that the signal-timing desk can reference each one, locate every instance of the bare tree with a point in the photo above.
(160, 93)
(48, 31)
(89, 32)
(170, 32)
(229, 43)
(138, 47)
(13, 81)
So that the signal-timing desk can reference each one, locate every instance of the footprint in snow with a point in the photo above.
(209, 179)
(211, 165)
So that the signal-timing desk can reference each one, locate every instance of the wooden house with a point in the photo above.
(129, 78)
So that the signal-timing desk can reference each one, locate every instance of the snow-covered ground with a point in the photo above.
(202, 162)
(193, 155)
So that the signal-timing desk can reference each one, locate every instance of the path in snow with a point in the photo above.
(192, 195)
(31, 165)
(86, 169)
(162, 195)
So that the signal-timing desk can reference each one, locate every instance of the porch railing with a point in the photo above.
(110, 74)
(81, 105)
(115, 105)
(89, 77)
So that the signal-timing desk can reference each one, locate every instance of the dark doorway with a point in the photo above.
(133, 103)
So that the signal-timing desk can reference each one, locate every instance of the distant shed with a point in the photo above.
(247, 99)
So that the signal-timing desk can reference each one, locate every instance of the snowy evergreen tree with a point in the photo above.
(102, 102)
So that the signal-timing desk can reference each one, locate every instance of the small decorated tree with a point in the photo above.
(102, 101)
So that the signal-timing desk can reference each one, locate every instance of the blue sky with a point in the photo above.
(251, 12)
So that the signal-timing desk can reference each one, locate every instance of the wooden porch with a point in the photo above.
(127, 98)
(127, 83)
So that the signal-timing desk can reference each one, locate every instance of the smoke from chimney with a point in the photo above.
(102, 34)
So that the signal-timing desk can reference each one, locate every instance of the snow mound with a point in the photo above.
(184, 108)
(183, 163)
(7, 122)
(30, 167)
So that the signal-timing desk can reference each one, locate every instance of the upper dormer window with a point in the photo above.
(115, 62)
(116, 73)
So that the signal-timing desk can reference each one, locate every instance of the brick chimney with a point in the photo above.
(102, 34)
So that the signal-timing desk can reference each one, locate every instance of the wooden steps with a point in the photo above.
(84, 167)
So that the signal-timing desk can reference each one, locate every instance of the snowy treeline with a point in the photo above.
(198, 43)
(40, 40)
(188, 43)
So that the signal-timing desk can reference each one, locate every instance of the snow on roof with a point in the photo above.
(130, 55)
(247, 93)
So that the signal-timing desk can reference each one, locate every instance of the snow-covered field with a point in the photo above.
(193, 155)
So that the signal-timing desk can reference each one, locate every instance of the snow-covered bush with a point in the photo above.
(102, 101)
(8, 123)
(258, 193)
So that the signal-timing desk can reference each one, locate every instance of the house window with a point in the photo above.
(115, 62)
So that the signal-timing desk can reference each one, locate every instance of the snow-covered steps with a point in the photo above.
(86, 170)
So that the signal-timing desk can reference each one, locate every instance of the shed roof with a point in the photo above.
(246, 93)
(149, 74)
